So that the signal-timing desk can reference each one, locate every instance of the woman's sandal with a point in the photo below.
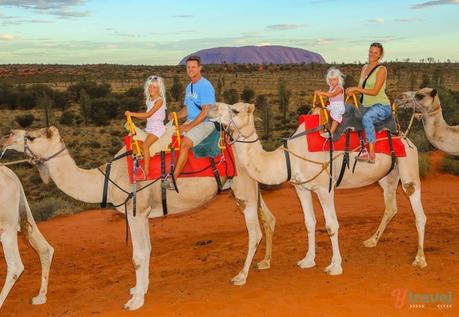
(366, 158)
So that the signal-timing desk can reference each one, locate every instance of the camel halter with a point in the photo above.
(236, 128)
(36, 159)
(419, 115)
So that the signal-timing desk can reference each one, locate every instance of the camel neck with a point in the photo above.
(265, 167)
(81, 184)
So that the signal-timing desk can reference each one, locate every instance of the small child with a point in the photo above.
(335, 94)
(155, 95)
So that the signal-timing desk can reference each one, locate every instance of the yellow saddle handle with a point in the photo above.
(354, 98)
(177, 131)
(322, 106)
(132, 132)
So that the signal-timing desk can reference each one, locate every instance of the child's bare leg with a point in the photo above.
(334, 126)
(151, 138)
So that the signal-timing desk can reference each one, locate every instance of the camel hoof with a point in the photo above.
(263, 265)
(39, 300)
(306, 263)
(420, 261)
(370, 243)
(334, 269)
(239, 279)
(135, 302)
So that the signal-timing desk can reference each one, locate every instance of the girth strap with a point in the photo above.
(172, 169)
(108, 168)
(216, 175)
(163, 177)
(345, 157)
(287, 161)
(392, 152)
(362, 149)
(330, 182)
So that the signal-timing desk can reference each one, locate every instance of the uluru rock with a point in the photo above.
(274, 54)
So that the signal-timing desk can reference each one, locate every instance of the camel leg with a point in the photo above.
(269, 222)
(13, 261)
(146, 278)
(389, 185)
(411, 184)
(332, 226)
(45, 253)
(310, 221)
(254, 231)
(140, 256)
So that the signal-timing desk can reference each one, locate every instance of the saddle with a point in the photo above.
(352, 119)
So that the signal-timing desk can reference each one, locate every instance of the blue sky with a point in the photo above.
(162, 32)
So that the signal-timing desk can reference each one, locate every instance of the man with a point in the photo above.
(199, 97)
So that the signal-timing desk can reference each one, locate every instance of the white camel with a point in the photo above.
(87, 185)
(426, 103)
(270, 168)
(15, 215)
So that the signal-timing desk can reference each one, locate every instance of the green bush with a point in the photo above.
(231, 96)
(424, 164)
(25, 120)
(104, 109)
(67, 118)
(450, 165)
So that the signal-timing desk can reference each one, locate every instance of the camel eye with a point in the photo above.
(419, 96)
(30, 138)
(235, 111)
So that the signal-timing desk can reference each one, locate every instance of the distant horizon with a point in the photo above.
(81, 32)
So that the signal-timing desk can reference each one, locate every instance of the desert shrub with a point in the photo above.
(25, 120)
(131, 103)
(424, 164)
(93, 89)
(450, 165)
(420, 140)
(247, 95)
(104, 109)
(231, 96)
(67, 118)
(47, 208)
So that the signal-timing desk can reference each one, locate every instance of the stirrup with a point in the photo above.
(366, 158)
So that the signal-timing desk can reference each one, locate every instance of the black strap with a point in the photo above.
(306, 132)
(134, 184)
(345, 157)
(172, 169)
(108, 168)
(163, 177)
(196, 105)
(365, 81)
(392, 152)
(330, 182)
(287, 160)
(216, 175)
(362, 148)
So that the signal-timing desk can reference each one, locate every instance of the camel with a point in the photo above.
(426, 103)
(15, 215)
(270, 168)
(54, 161)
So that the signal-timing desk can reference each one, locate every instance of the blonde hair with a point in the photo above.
(157, 82)
(335, 73)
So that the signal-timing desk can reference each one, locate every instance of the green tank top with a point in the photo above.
(381, 97)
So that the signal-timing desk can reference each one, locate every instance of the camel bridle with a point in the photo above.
(36, 159)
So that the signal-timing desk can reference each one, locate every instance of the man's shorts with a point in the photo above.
(198, 133)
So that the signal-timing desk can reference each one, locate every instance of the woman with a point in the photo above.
(372, 86)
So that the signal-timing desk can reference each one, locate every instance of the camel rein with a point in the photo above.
(419, 115)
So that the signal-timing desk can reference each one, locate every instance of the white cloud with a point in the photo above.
(408, 20)
(376, 21)
(61, 8)
(434, 3)
(7, 37)
(285, 27)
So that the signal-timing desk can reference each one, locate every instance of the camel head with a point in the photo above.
(237, 119)
(424, 100)
(37, 144)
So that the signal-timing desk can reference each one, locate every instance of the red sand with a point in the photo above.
(92, 269)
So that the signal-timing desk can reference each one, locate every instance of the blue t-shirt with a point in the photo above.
(202, 94)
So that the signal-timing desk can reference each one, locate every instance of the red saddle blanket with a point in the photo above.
(316, 143)
(195, 167)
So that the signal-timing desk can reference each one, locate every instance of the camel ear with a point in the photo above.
(251, 108)
(433, 93)
(44, 173)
